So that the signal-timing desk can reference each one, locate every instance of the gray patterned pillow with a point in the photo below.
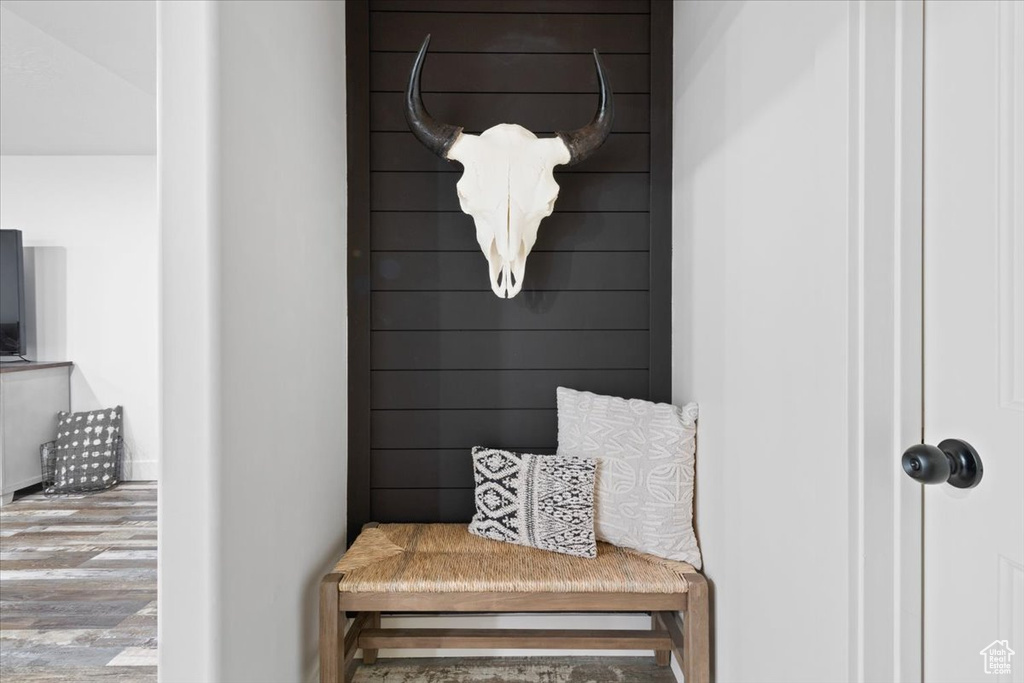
(643, 497)
(84, 458)
(543, 501)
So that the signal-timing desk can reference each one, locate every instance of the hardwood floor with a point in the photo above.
(78, 587)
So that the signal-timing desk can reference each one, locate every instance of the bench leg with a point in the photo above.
(696, 632)
(370, 656)
(661, 657)
(332, 662)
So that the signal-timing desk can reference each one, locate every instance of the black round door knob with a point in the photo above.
(953, 461)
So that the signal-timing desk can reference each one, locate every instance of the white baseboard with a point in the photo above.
(141, 470)
(677, 670)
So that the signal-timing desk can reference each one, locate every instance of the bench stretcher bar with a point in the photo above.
(504, 638)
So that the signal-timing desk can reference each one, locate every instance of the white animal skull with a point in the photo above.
(508, 183)
(508, 187)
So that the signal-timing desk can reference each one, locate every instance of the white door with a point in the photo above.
(974, 335)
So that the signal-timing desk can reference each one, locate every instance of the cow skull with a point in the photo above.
(508, 183)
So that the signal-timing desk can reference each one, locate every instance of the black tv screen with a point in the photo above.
(12, 294)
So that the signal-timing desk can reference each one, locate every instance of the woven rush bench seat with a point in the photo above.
(443, 568)
(446, 558)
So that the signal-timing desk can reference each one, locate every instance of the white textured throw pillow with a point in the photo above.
(643, 497)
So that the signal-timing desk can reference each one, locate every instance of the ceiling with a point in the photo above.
(77, 77)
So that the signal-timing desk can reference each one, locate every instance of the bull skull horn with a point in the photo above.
(582, 142)
(439, 137)
(436, 136)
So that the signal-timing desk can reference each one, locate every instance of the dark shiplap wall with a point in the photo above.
(439, 363)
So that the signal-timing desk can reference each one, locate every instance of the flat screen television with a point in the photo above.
(12, 294)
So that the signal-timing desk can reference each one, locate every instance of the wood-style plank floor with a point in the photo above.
(78, 587)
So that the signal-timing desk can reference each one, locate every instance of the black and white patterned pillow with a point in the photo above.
(542, 501)
(84, 458)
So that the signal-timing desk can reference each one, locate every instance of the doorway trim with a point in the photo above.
(885, 342)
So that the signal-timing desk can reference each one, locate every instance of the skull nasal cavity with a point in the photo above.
(506, 273)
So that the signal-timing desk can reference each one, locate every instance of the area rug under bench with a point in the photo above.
(410, 568)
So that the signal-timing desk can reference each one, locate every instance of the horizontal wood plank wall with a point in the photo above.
(448, 365)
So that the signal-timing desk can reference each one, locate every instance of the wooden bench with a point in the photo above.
(443, 568)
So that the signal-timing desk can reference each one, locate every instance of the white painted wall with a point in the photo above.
(90, 226)
(760, 329)
(253, 176)
(796, 326)
(188, 619)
